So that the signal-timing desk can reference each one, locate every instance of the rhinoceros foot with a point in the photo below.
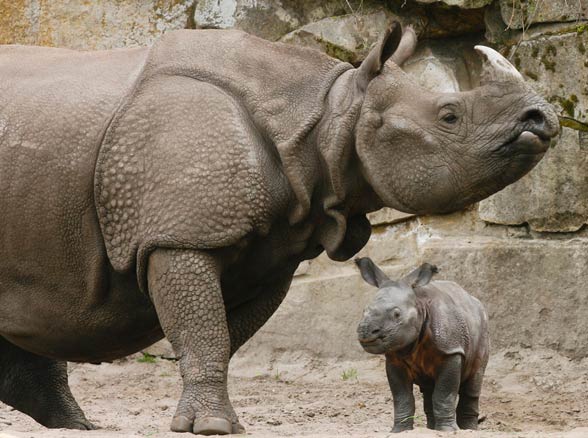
(237, 428)
(212, 426)
(207, 426)
(80, 425)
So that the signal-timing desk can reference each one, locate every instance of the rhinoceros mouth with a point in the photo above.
(374, 345)
(526, 143)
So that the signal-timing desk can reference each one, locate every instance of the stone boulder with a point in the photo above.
(100, 24)
(521, 14)
(267, 19)
(464, 4)
(346, 37)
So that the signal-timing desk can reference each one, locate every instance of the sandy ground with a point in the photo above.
(527, 394)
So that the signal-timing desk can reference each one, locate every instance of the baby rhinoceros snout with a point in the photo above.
(371, 334)
(368, 333)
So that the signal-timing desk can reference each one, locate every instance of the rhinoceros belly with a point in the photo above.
(56, 295)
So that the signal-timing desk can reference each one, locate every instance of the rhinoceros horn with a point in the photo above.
(497, 68)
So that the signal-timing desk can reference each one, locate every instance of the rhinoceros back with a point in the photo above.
(55, 105)
(458, 322)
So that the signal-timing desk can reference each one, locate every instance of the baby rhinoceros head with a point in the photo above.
(392, 321)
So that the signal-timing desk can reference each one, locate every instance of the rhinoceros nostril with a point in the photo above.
(533, 115)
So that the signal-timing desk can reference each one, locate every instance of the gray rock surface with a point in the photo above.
(100, 24)
(346, 37)
(520, 14)
(466, 4)
(267, 18)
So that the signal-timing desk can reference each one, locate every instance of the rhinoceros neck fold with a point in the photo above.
(344, 194)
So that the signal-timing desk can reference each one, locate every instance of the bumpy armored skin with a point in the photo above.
(38, 386)
(433, 334)
(175, 189)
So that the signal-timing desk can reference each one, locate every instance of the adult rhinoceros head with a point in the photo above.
(428, 152)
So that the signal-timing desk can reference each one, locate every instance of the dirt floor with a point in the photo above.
(527, 394)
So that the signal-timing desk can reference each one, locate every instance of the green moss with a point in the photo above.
(573, 124)
(147, 358)
(337, 51)
(568, 105)
(548, 64)
(574, 98)
(531, 75)
(548, 58)
(581, 28)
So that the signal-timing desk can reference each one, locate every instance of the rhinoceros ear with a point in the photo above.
(406, 47)
(370, 272)
(421, 276)
(374, 62)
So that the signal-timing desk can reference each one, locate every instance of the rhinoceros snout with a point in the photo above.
(541, 121)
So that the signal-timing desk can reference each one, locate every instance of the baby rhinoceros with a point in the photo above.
(433, 334)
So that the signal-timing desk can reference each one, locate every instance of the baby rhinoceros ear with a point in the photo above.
(370, 272)
(421, 276)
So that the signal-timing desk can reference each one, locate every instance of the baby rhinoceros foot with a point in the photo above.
(402, 426)
(447, 427)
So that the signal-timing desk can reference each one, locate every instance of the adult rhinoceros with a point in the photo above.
(174, 190)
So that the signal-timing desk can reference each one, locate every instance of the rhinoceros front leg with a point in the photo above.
(402, 395)
(185, 288)
(445, 393)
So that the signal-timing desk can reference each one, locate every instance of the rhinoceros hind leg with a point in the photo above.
(469, 396)
(37, 386)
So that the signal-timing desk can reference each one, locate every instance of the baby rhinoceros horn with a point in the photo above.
(497, 68)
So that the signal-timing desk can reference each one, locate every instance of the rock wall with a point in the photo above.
(524, 251)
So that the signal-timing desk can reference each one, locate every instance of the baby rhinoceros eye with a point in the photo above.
(396, 314)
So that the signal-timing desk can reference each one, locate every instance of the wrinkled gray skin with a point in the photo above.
(433, 334)
(174, 190)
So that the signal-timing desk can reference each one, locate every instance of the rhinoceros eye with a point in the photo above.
(450, 118)
(396, 314)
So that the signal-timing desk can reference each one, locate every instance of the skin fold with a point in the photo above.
(434, 335)
(173, 191)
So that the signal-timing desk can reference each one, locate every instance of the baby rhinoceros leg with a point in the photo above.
(403, 397)
(38, 387)
(185, 288)
(469, 396)
(445, 393)
(427, 391)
